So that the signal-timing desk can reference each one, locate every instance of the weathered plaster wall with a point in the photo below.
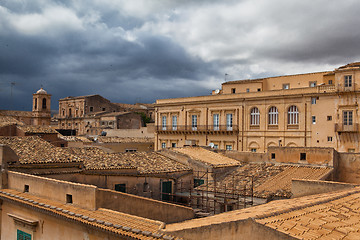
(143, 207)
(301, 187)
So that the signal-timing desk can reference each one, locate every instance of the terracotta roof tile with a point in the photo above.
(8, 120)
(116, 222)
(37, 129)
(144, 162)
(207, 157)
(324, 220)
(124, 140)
(35, 150)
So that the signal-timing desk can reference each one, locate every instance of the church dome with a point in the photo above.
(41, 91)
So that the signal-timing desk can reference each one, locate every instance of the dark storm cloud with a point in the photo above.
(143, 50)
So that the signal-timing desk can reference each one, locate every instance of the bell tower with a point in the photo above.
(41, 108)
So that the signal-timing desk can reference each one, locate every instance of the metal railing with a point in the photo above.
(194, 128)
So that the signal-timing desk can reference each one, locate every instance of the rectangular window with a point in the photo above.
(26, 188)
(20, 235)
(313, 100)
(130, 150)
(351, 150)
(303, 156)
(229, 122)
(194, 122)
(253, 150)
(216, 146)
(173, 145)
(120, 187)
(329, 118)
(163, 122)
(259, 89)
(272, 156)
(91, 109)
(312, 84)
(348, 81)
(330, 82)
(228, 147)
(216, 122)
(163, 145)
(174, 123)
(233, 90)
(348, 118)
(247, 90)
(286, 86)
(329, 139)
(69, 198)
(313, 119)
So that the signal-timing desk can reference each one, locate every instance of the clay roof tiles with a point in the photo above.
(118, 223)
(8, 120)
(37, 129)
(144, 162)
(36, 150)
(337, 218)
(124, 140)
(208, 157)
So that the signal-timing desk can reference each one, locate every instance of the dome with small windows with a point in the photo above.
(41, 91)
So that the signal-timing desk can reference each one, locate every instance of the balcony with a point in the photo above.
(340, 127)
(205, 129)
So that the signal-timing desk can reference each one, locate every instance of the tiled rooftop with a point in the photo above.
(321, 216)
(37, 129)
(208, 157)
(336, 219)
(124, 140)
(268, 179)
(117, 223)
(16, 113)
(280, 184)
(8, 120)
(36, 150)
(76, 139)
(144, 162)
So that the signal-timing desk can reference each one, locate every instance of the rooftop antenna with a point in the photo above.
(225, 76)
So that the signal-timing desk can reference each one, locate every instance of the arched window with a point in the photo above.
(44, 103)
(35, 104)
(273, 116)
(254, 116)
(293, 115)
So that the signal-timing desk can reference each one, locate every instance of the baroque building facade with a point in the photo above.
(305, 110)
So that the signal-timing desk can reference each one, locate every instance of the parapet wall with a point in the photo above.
(300, 187)
(82, 195)
(143, 207)
(302, 155)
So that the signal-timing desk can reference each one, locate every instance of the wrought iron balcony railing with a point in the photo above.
(170, 128)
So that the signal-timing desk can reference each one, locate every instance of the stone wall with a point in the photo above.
(302, 187)
(348, 167)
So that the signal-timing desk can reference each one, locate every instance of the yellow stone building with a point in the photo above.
(306, 110)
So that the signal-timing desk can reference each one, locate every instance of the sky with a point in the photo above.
(132, 51)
